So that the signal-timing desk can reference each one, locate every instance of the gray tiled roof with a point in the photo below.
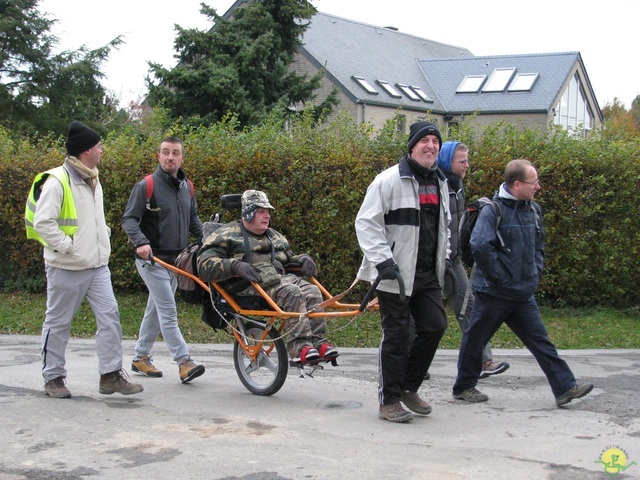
(349, 48)
(445, 75)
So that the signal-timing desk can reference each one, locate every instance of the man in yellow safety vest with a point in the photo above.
(65, 214)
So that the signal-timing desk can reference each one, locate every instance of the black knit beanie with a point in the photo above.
(419, 130)
(81, 138)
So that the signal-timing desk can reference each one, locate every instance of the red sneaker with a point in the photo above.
(327, 352)
(307, 354)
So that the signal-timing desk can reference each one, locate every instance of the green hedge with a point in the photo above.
(316, 178)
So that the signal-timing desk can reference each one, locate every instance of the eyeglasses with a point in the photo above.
(535, 182)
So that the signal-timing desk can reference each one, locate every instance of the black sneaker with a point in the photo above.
(574, 392)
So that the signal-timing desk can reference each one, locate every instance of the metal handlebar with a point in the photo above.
(373, 287)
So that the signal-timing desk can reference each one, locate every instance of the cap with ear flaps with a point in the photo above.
(251, 201)
(80, 138)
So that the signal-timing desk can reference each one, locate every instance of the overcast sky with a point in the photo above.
(604, 34)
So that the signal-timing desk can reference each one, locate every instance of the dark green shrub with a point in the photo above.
(316, 177)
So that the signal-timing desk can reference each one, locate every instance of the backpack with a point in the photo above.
(150, 184)
(468, 221)
(190, 290)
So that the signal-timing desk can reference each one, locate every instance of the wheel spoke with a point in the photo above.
(265, 361)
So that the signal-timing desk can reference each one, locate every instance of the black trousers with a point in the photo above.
(404, 361)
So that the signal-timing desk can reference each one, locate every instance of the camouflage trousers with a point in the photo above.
(295, 294)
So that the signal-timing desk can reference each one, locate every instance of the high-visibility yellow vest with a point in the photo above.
(67, 218)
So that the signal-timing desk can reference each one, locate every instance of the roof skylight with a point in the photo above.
(499, 80)
(389, 88)
(523, 82)
(365, 85)
(421, 94)
(408, 92)
(471, 84)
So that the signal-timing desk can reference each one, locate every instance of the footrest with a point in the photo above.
(305, 364)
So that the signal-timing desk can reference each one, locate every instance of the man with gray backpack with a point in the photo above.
(509, 270)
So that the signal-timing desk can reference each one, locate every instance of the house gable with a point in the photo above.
(373, 66)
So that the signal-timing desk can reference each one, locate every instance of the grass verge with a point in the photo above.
(569, 328)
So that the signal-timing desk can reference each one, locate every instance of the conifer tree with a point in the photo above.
(240, 66)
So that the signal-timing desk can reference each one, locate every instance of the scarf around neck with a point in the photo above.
(89, 175)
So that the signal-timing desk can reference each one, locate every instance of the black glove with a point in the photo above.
(245, 270)
(388, 269)
(308, 266)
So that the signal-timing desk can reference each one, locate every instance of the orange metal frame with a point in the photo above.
(336, 308)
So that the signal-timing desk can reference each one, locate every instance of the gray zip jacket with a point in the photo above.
(394, 193)
(172, 215)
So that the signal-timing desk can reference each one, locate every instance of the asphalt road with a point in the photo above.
(325, 427)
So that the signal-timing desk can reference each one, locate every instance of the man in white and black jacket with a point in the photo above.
(402, 229)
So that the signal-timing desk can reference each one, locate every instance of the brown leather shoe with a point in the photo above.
(189, 370)
(414, 403)
(143, 366)
(56, 388)
(116, 382)
(394, 413)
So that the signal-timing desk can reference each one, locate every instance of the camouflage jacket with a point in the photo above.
(226, 245)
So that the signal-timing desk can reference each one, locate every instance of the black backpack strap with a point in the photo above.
(498, 210)
(247, 248)
(273, 249)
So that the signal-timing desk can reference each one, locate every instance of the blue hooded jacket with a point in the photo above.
(456, 194)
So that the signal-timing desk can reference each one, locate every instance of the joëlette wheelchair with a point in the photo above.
(259, 350)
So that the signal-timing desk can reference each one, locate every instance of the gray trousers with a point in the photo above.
(457, 302)
(66, 289)
(161, 314)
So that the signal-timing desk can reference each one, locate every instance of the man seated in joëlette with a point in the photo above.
(224, 258)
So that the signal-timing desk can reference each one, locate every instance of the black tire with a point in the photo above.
(267, 375)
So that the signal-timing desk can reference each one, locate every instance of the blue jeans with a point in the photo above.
(524, 319)
(161, 314)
